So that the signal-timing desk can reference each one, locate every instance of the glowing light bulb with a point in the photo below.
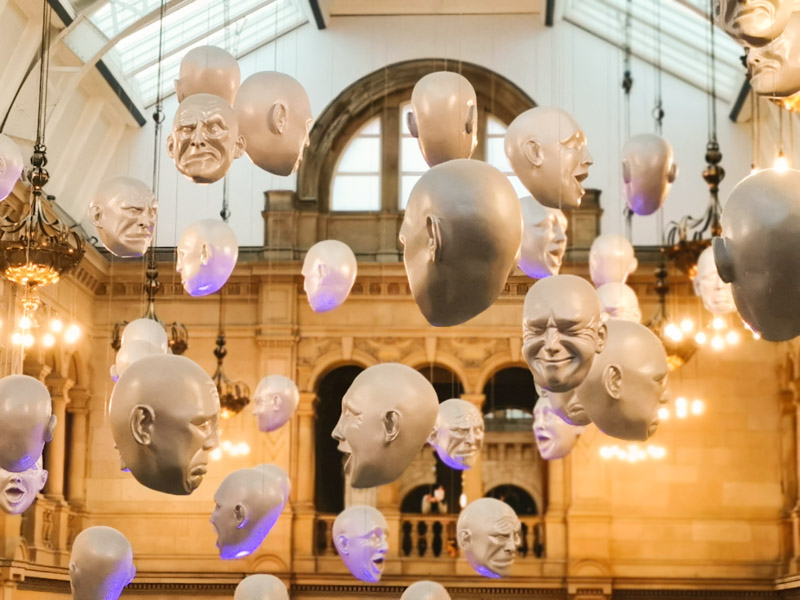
(717, 343)
(72, 334)
(732, 338)
(226, 445)
(681, 408)
(756, 335)
(781, 162)
(216, 454)
(673, 332)
(698, 406)
(16, 338)
(700, 338)
(25, 322)
(48, 340)
(56, 325)
(462, 499)
(718, 323)
(663, 413)
(606, 452)
(27, 340)
(687, 325)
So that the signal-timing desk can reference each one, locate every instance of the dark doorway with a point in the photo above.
(517, 498)
(510, 397)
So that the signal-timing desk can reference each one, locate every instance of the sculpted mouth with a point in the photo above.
(198, 470)
(14, 494)
(580, 177)
(552, 361)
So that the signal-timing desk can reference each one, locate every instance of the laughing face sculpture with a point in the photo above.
(555, 438)
(101, 564)
(164, 411)
(489, 532)
(27, 422)
(611, 259)
(547, 150)
(18, 490)
(260, 587)
(387, 414)
(207, 254)
(717, 295)
(648, 171)
(124, 214)
(274, 402)
(208, 70)
(775, 67)
(753, 22)
(359, 534)
(544, 239)
(458, 434)
(329, 272)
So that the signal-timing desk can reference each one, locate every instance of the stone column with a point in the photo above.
(473, 478)
(303, 483)
(55, 451)
(78, 407)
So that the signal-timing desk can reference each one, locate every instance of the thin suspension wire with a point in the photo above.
(658, 111)
(712, 134)
(44, 72)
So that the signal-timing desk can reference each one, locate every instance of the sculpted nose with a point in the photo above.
(337, 433)
(588, 159)
(212, 441)
(197, 139)
(551, 338)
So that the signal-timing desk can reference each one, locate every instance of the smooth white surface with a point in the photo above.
(100, 564)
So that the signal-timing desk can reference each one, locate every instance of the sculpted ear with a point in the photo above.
(43, 478)
(95, 214)
(626, 170)
(341, 544)
(433, 437)
(240, 515)
(411, 121)
(470, 119)
(532, 150)
(723, 259)
(673, 173)
(434, 238)
(142, 420)
(171, 146)
(322, 271)
(612, 381)
(278, 117)
(239, 147)
(391, 425)
(602, 336)
(50, 428)
(464, 538)
(205, 253)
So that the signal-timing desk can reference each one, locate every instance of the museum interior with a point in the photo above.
(289, 287)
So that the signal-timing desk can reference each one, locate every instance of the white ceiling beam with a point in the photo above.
(440, 7)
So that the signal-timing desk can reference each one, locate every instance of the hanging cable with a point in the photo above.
(658, 110)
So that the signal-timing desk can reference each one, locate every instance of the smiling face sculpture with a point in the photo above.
(489, 532)
(775, 68)
(359, 535)
(544, 239)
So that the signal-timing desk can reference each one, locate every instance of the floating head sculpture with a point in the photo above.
(566, 405)
(457, 435)
(260, 587)
(124, 213)
(207, 253)
(563, 327)
(425, 590)
(11, 165)
(274, 402)
(461, 236)
(146, 330)
(544, 239)
(444, 117)
(775, 67)
(329, 272)
(164, 411)
(27, 422)
(208, 70)
(359, 534)
(547, 150)
(18, 490)
(387, 414)
(648, 171)
(753, 22)
(717, 295)
(611, 259)
(275, 117)
(101, 564)
(555, 438)
(759, 252)
(489, 532)
(620, 301)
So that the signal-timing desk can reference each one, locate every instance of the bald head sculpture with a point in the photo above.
(329, 272)
(101, 564)
(648, 171)
(260, 587)
(207, 254)
(461, 236)
(27, 422)
(457, 435)
(425, 590)
(359, 535)
(544, 239)
(208, 70)
(620, 301)
(611, 259)
(489, 532)
(716, 295)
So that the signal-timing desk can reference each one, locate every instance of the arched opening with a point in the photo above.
(412, 501)
(524, 505)
(510, 397)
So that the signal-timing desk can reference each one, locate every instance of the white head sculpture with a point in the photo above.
(205, 138)
(753, 23)
(329, 272)
(775, 67)
(555, 438)
(260, 587)
(207, 253)
(101, 564)
(359, 534)
(124, 213)
(566, 405)
(208, 70)
(620, 301)
(164, 411)
(488, 531)
(461, 236)
(759, 252)
(26, 422)
(274, 402)
(275, 117)
(11, 165)
(563, 327)
(387, 414)
(18, 490)
(457, 435)
(544, 239)
(444, 117)
(648, 170)
(611, 259)
(146, 330)
(717, 295)
(547, 150)
(627, 382)
(425, 590)
(248, 503)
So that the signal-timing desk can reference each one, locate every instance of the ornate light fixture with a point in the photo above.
(233, 395)
(678, 345)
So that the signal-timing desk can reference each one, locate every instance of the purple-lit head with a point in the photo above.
(101, 564)
(329, 271)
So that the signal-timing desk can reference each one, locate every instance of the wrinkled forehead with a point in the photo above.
(195, 109)
(570, 304)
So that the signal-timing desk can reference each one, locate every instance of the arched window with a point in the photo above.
(412, 164)
(356, 184)
(496, 153)
(510, 396)
(517, 498)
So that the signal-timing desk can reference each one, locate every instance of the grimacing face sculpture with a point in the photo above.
(27, 421)
(555, 438)
(18, 490)
(544, 239)
(205, 138)
(759, 252)
(425, 590)
(329, 272)
(11, 165)
(274, 402)
(208, 70)
(753, 22)
(207, 253)
(248, 503)
(124, 213)
(611, 259)
(775, 67)
(444, 117)
(567, 405)
(488, 531)
(461, 236)
(563, 327)
(648, 171)
(457, 435)
(164, 411)
(260, 587)
(359, 534)
(275, 117)
(627, 382)
(387, 414)
(717, 295)
(619, 301)
(547, 150)
(101, 564)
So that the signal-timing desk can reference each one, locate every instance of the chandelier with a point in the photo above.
(233, 395)
(678, 345)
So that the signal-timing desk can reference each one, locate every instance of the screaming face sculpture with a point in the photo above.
(101, 564)
(566, 405)
(329, 272)
(275, 117)
(207, 253)
(387, 413)
(555, 438)
(274, 402)
(208, 70)
(620, 301)
(425, 590)
(261, 587)
(611, 259)
(544, 239)
(359, 534)
(18, 490)
(759, 252)
(489, 531)
(753, 22)
(26, 422)
(775, 68)
(547, 150)
(164, 411)
(11, 165)
(627, 382)
(563, 327)
(461, 235)
(648, 170)
(124, 213)
(248, 503)
(205, 138)
(457, 435)
(444, 117)
(717, 295)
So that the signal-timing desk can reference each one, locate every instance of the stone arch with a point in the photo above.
(494, 365)
(534, 490)
(330, 361)
(419, 360)
(77, 369)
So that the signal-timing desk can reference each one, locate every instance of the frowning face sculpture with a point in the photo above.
(458, 434)
(775, 68)
(488, 531)
(359, 535)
